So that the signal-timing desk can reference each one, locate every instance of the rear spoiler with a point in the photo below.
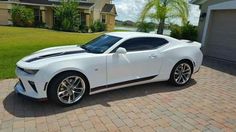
(192, 42)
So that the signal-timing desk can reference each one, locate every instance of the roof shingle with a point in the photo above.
(108, 8)
(47, 2)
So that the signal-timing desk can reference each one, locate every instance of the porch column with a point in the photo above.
(87, 19)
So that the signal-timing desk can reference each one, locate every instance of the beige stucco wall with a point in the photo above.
(98, 7)
(110, 22)
(204, 8)
(4, 14)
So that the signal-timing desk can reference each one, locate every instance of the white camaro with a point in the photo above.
(114, 60)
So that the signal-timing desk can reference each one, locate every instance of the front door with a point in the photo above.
(141, 62)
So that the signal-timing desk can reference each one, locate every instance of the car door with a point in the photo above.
(142, 60)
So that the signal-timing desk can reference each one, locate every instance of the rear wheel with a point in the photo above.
(181, 73)
(67, 88)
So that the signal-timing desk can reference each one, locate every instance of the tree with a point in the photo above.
(67, 16)
(160, 10)
(22, 16)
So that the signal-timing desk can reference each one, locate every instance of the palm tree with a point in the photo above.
(160, 10)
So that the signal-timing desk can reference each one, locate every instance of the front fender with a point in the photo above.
(93, 69)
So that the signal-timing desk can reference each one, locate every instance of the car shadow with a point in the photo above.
(23, 107)
(220, 65)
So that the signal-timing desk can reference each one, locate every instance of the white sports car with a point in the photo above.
(114, 60)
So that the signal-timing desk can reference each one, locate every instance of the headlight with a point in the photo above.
(29, 71)
(33, 72)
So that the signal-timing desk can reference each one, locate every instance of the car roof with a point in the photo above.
(134, 34)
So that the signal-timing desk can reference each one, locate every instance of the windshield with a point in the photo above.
(100, 44)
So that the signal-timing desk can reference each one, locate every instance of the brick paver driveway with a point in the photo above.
(208, 103)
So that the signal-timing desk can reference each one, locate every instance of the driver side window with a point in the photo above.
(141, 44)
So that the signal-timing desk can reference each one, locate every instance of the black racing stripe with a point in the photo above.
(122, 83)
(55, 54)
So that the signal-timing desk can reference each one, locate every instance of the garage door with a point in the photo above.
(221, 42)
(3, 17)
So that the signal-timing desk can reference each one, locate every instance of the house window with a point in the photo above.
(82, 18)
(103, 18)
(54, 19)
(37, 17)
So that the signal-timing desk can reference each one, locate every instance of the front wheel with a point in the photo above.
(181, 73)
(67, 89)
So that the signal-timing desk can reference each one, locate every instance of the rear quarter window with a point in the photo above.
(141, 44)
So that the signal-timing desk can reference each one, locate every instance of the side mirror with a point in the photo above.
(121, 50)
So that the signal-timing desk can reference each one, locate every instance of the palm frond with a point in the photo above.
(159, 10)
(180, 9)
(146, 10)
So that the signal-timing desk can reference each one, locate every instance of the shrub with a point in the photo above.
(98, 26)
(176, 32)
(84, 29)
(22, 16)
(42, 25)
(67, 16)
(145, 27)
(188, 32)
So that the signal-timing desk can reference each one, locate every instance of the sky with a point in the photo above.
(130, 10)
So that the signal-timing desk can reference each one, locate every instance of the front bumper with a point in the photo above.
(197, 69)
(20, 89)
(31, 85)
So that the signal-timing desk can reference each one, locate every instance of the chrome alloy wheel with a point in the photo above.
(71, 89)
(182, 73)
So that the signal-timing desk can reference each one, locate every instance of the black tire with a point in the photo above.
(172, 79)
(57, 80)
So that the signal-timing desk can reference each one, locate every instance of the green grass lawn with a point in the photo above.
(16, 43)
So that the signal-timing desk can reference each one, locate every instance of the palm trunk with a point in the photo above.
(161, 26)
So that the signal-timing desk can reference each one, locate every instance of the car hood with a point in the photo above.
(50, 55)
(54, 52)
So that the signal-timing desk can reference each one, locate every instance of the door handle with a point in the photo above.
(153, 56)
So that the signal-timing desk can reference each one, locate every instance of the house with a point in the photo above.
(217, 28)
(90, 11)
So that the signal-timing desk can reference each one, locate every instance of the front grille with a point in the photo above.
(22, 85)
(33, 86)
(45, 86)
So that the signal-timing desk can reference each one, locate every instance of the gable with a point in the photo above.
(109, 8)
